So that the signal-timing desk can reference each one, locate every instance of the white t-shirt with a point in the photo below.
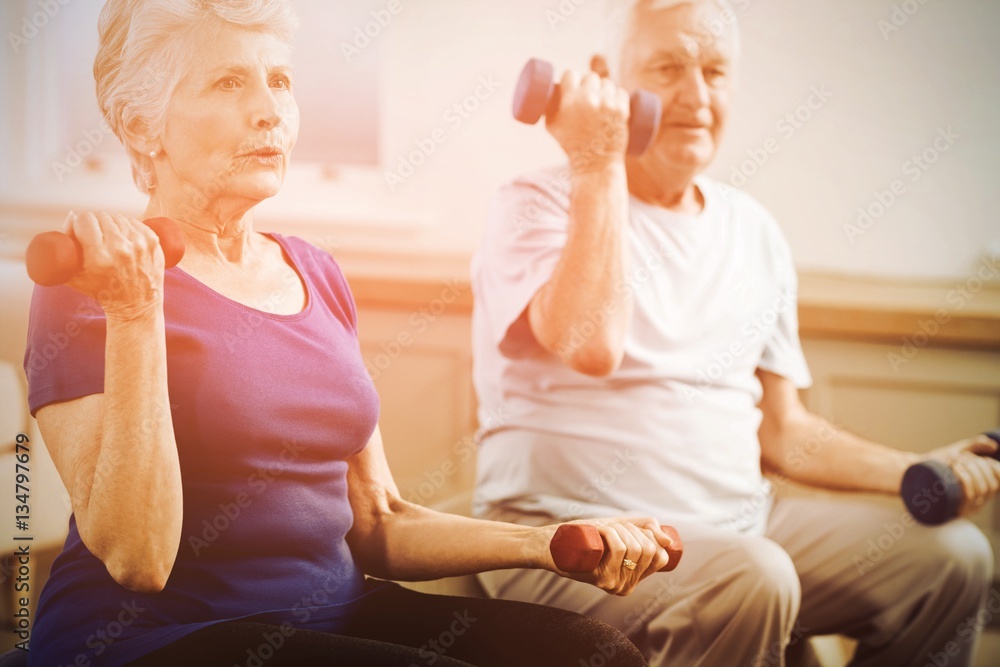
(673, 432)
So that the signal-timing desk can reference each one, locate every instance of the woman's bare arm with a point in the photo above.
(116, 451)
(395, 539)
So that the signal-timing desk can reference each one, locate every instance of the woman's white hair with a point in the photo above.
(619, 17)
(142, 56)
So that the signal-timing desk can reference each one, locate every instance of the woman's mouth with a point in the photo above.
(270, 157)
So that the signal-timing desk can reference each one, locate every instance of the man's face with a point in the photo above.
(681, 55)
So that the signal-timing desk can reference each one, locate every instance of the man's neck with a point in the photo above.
(675, 192)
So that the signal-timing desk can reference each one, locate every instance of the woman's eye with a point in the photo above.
(281, 83)
(229, 84)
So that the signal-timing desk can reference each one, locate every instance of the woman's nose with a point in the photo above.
(267, 112)
(269, 118)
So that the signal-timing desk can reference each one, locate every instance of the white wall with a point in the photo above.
(890, 93)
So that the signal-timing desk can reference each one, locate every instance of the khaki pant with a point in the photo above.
(909, 594)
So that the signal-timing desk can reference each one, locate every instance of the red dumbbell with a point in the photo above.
(578, 547)
(53, 258)
(537, 94)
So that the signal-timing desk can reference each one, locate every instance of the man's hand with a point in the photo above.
(975, 469)
(591, 123)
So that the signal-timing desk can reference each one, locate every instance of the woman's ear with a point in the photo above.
(138, 135)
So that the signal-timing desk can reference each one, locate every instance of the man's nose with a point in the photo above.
(693, 89)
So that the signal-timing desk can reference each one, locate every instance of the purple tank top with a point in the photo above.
(266, 409)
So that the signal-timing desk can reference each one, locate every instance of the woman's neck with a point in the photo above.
(216, 231)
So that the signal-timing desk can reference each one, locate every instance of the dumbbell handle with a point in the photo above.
(578, 547)
(53, 258)
(931, 491)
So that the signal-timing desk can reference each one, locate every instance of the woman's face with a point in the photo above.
(232, 121)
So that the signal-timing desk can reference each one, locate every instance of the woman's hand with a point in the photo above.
(122, 263)
(975, 469)
(640, 540)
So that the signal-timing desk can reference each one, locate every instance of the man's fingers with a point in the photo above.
(982, 444)
(570, 80)
(599, 65)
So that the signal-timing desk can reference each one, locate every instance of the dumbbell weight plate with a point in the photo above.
(931, 492)
(646, 112)
(535, 88)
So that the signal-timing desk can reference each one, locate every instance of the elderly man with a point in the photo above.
(636, 350)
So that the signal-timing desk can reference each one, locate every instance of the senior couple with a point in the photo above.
(158, 422)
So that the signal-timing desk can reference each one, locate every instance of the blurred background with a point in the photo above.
(867, 127)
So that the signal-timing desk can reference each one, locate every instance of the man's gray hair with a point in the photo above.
(620, 14)
(144, 52)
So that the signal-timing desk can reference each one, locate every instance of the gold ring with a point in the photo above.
(630, 564)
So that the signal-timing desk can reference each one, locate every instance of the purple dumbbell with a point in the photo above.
(537, 94)
(932, 492)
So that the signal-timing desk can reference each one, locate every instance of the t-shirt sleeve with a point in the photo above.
(326, 274)
(525, 234)
(64, 354)
(783, 351)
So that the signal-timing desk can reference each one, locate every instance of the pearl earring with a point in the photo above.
(153, 154)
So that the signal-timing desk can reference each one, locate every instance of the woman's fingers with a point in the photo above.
(653, 555)
(631, 554)
(122, 263)
(87, 230)
(67, 225)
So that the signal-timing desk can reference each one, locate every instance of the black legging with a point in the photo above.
(397, 627)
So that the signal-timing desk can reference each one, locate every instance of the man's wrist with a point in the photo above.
(608, 168)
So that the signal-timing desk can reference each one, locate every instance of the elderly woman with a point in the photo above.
(215, 425)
